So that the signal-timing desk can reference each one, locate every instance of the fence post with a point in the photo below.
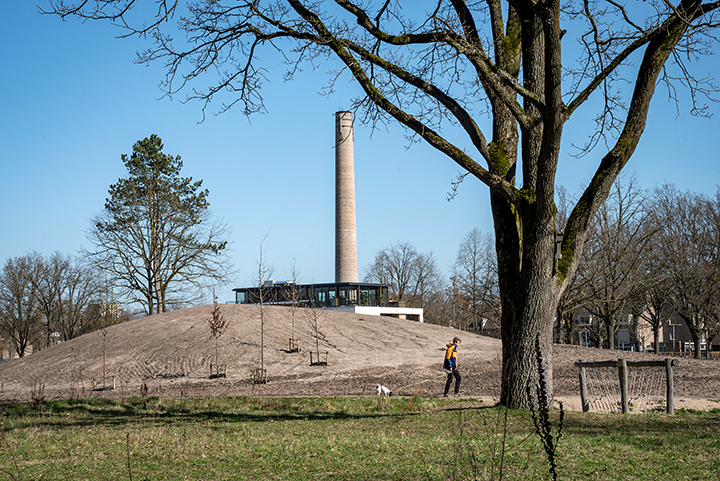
(583, 389)
(623, 374)
(669, 388)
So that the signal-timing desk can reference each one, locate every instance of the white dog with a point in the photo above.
(382, 390)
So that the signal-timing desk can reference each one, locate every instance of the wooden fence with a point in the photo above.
(622, 366)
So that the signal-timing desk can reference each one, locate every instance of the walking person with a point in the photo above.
(451, 366)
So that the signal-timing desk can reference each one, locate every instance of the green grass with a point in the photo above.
(341, 439)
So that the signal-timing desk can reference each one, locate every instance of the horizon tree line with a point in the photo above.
(47, 300)
(154, 246)
(651, 255)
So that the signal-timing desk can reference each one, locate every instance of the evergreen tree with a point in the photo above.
(155, 237)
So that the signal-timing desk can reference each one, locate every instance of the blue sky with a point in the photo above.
(73, 101)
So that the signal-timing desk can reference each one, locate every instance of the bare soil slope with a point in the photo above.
(170, 354)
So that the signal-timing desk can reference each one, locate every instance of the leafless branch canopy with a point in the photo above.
(429, 62)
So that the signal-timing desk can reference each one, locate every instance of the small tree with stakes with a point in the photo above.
(315, 316)
(217, 324)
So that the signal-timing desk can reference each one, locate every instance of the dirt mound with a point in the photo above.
(170, 355)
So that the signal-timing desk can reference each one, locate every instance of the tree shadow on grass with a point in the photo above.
(113, 412)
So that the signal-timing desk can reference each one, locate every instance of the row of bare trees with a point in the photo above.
(685, 259)
(650, 255)
(467, 300)
(154, 241)
(610, 277)
(45, 300)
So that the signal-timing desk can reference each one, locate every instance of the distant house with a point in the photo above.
(676, 336)
(634, 333)
(583, 334)
(586, 327)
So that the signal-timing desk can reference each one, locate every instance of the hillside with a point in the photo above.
(169, 354)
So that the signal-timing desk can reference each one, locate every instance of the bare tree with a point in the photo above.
(81, 288)
(20, 312)
(264, 275)
(612, 265)
(654, 307)
(690, 250)
(412, 276)
(712, 327)
(437, 69)
(46, 279)
(64, 288)
(653, 301)
(427, 280)
(155, 237)
(713, 322)
(315, 316)
(476, 273)
(573, 299)
(292, 298)
(395, 266)
(101, 314)
(438, 306)
(217, 324)
(574, 296)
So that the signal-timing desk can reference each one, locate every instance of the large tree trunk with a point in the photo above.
(527, 345)
(528, 297)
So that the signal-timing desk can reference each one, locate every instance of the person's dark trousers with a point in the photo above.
(448, 383)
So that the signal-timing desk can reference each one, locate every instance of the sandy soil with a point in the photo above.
(170, 355)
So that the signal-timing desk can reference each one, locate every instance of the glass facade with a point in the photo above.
(315, 295)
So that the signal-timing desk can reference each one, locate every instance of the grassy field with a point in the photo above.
(342, 439)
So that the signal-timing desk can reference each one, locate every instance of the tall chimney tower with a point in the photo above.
(346, 269)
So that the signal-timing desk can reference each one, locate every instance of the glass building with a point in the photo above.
(315, 295)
